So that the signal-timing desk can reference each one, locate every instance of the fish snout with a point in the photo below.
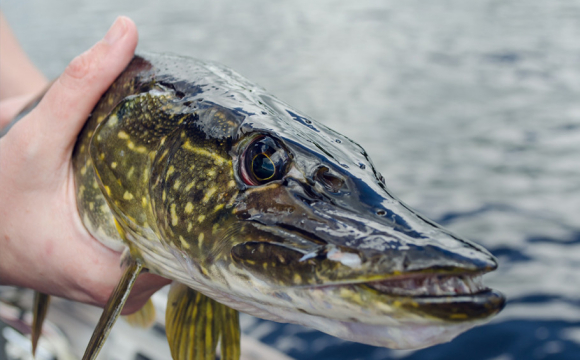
(342, 234)
(390, 239)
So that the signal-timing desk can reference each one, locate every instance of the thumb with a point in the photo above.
(66, 106)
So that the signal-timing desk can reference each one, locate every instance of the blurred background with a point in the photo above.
(470, 109)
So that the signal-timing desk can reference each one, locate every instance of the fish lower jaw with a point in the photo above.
(409, 334)
(404, 336)
(430, 285)
(424, 301)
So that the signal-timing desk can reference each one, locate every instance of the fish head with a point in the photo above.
(284, 218)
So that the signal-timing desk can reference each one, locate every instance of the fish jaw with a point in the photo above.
(370, 295)
(407, 336)
(374, 295)
(358, 313)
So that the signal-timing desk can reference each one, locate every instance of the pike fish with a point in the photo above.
(204, 178)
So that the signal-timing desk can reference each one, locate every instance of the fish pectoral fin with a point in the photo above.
(144, 317)
(230, 339)
(112, 309)
(41, 303)
(194, 324)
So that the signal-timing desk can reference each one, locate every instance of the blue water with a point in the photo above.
(516, 339)
(470, 109)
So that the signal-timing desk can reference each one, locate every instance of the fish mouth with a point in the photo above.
(430, 285)
(447, 297)
(440, 286)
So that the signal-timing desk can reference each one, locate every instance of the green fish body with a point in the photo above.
(210, 181)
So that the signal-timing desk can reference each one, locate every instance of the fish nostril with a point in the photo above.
(330, 181)
(381, 212)
(381, 178)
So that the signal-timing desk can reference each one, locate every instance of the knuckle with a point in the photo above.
(86, 64)
(80, 66)
(26, 141)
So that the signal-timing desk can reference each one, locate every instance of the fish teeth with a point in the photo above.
(431, 286)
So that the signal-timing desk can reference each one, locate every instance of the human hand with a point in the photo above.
(43, 243)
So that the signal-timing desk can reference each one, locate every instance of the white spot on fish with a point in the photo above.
(218, 160)
(209, 193)
(113, 120)
(188, 208)
(174, 218)
(200, 239)
(349, 259)
(189, 186)
(183, 242)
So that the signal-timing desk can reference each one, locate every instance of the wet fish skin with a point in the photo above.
(165, 154)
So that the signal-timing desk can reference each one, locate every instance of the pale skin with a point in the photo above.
(43, 243)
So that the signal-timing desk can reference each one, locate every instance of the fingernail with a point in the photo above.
(116, 31)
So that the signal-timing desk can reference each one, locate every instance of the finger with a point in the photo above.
(10, 107)
(68, 103)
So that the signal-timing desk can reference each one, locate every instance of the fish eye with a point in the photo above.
(263, 167)
(264, 160)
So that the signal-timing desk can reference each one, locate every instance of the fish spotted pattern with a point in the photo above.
(214, 183)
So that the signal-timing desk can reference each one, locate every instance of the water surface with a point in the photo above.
(470, 109)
